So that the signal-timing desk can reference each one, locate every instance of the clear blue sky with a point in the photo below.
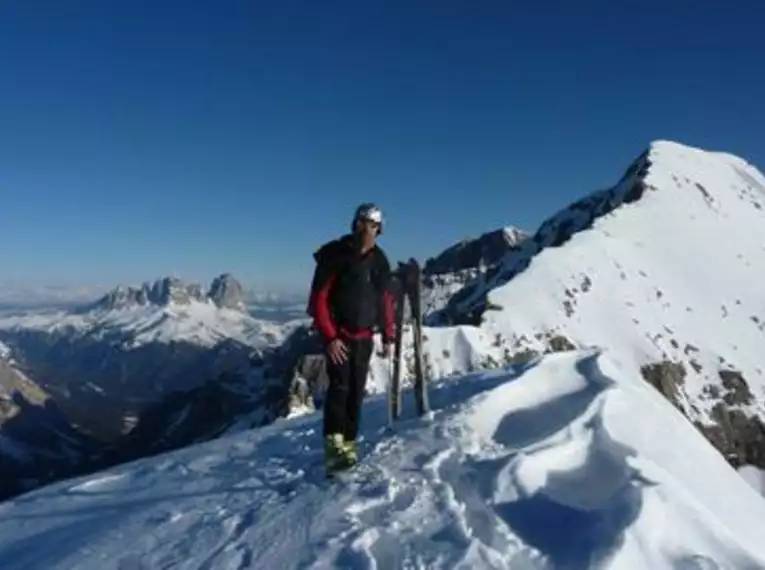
(150, 137)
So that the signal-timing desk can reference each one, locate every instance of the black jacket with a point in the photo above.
(350, 293)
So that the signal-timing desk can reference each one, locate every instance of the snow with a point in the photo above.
(5, 352)
(447, 351)
(548, 466)
(201, 323)
(754, 477)
(439, 289)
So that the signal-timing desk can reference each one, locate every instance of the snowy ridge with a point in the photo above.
(671, 176)
(641, 269)
(545, 467)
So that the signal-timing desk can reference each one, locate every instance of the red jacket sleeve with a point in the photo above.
(388, 316)
(322, 315)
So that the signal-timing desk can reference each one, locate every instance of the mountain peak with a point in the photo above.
(225, 291)
(669, 178)
(470, 253)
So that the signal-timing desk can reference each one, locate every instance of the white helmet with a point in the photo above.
(368, 211)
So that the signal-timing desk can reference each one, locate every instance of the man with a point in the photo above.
(349, 300)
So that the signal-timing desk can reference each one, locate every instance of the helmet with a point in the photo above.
(368, 211)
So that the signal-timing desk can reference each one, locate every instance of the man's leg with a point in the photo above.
(359, 369)
(335, 406)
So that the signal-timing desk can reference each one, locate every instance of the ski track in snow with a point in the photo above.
(531, 469)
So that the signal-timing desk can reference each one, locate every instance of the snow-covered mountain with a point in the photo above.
(538, 467)
(142, 369)
(665, 268)
(166, 310)
(136, 345)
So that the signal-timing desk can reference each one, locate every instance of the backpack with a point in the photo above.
(322, 258)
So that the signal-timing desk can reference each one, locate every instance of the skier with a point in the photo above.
(350, 299)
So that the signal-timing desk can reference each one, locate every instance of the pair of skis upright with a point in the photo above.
(408, 291)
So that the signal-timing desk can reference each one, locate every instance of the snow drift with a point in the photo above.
(572, 461)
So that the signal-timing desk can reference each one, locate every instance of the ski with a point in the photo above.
(420, 389)
(395, 382)
(408, 291)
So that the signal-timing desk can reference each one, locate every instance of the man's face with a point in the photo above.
(368, 228)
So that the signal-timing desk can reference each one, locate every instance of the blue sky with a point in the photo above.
(146, 138)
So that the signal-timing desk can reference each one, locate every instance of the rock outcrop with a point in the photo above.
(485, 251)
(225, 291)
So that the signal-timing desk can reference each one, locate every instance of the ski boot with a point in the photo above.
(350, 452)
(335, 454)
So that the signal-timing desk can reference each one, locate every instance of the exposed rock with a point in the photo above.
(521, 356)
(560, 343)
(737, 389)
(14, 381)
(172, 290)
(740, 438)
(309, 378)
(668, 378)
(226, 291)
(484, 251)
(712, 390)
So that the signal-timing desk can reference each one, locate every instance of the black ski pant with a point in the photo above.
(347, 384)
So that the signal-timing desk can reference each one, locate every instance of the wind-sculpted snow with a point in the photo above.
(570, 462)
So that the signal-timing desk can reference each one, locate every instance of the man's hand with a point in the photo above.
(337, 351)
